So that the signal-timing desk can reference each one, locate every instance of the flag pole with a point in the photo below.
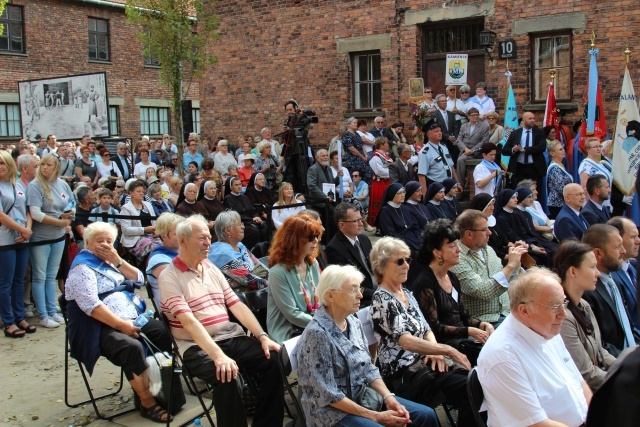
(552, 74)
(627, 53)
(593, 86)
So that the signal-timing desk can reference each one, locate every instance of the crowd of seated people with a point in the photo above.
(439, 282)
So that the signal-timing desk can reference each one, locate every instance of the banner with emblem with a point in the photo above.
(456, 69)
(626, 149)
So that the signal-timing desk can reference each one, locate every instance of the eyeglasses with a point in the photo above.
(119, 186)
(314, 237)
(483, 230)
(577, 194)
(352, 220)
(595, 146)
(492, 118)
(464, 92)
(555, 308)
(474, 114)
(352, 291)
(401, 261)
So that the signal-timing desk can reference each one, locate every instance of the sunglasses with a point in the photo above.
(354, 176)
(314, 237)
(401, 261)
(428, 91)
(464, 92)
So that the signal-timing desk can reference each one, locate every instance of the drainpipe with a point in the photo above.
(106, 3)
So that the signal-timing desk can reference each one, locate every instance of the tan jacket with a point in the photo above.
(586, 350)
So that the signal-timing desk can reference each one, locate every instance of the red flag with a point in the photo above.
(551, 112)
(600, 126)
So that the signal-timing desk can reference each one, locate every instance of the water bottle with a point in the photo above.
(143, 319)
(197, 423)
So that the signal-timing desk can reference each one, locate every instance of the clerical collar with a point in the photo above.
(434, 202)
(448, 198)
(257, 189)
(209, 198)
(394, 205)
(191, 203)
(235, 194)
(520, 208)
(507, 210)
(412, 202)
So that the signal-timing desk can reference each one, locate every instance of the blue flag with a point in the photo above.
(510, 123)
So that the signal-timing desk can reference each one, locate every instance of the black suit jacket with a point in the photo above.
(536, 149)
(340, 251)
(452, 128)
(595, 215)
(123, 167)
(604, 309)
(397, 173)
(386, 132)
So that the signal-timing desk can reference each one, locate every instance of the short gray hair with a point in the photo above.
(82, 193)
(333, 277)
(25, 160)
(465, 88)
(185, 228)
(383, 250)
(166, 222)
(522, 289)
(440, 95)
(349, 120)
(225, 220)
(222, 141)
(99, 227)
(264, 144)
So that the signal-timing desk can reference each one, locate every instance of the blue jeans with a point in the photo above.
(12, 285)
(45, 261)
(421, 416)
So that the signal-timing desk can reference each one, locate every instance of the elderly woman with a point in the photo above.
(223, 158)
(207, 198)
(268, 164)
(257, 192)
(541, 221)
(243, 271)
(355, 155)
(380, 165)
(496, 131)
(15, 229)
(247, 170)
(412, 361)
(334, 363)
(100, 318)
(438, 292)
(51, 205)
(488, 175)
(159, 203)
(557, 178)
(188, 201)
(138, 234)
(163, 254)
(575, 263)
(293, 277)
(285, 198)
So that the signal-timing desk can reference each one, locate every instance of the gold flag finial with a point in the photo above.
(593, 39)
(552, 73)
(627, 53)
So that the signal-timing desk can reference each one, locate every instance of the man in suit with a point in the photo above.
(122, 159)
(472, 135)
(526, 146)
(570, 222)
(317, 175)
(350, 247)
(401, 170)
(606, 301)
(599, 191)
(449, 125)
(379, 129)
(626, 278)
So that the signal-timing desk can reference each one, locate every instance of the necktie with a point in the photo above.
(363, 259)
(584, 220)
(527, 159)
(631, 271)
(444, 161)
(621, 311)
(444, 116)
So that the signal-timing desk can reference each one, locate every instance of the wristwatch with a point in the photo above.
(120, 263)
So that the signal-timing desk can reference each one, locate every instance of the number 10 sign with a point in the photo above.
(508, 49)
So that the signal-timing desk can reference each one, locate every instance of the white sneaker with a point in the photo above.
(28, 312)
(48, 322)
(57, 318)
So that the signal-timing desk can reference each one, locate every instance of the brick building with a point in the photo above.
(50, 38)
(354, 58)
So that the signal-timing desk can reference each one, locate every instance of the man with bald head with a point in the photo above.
(528, 377)
(570, 222)
(526, 146)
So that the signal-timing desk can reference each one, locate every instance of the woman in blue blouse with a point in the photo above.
(334, 363)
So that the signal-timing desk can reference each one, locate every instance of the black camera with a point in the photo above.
(313, 118)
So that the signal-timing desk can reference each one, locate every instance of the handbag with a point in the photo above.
(73, 250)
(171, 386)
(417, 381)
(367, 397)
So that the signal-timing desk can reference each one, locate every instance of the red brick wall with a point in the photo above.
(56, 33)
(270, 51)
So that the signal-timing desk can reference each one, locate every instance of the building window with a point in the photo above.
(12, 39)
(150, 57)
(114, 121)
(551, 51)
(367, 86)
(98, 39)
(154, 121)
(195, 117)
(10, 120)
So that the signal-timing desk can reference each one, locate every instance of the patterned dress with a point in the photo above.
(378, 185)
(557, 178)
(355, 162)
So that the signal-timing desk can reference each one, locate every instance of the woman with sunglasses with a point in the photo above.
(412, 362)
(293, 277)
(575, 263)
(107, 167)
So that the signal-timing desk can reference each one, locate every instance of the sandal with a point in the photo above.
(16, 333)
(155, 413)
(30, 329)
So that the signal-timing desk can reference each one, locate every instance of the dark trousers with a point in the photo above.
(249, 356)
(527, 171)
(554, 211)
(128, 352)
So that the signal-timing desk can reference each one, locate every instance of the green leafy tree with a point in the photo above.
(177, 34)
(3, 3)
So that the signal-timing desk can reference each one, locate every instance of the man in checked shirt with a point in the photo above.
(483, 279)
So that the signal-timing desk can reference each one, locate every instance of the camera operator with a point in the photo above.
(295, 141)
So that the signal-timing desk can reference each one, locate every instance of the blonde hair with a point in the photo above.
(45, 183)
(167, 222)
(12, 169)
(97, 228)
(382, 252)
(281, 201)
(554, 145)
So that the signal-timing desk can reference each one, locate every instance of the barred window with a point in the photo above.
(551, 51)
(367, 84)
(154, 121)
(10, 120)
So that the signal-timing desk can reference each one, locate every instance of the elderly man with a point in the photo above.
(483, 280)
(402, 169)
(626, 278)
(527, 375)
(122, 159)
(434, 161)
(472, 135)
(570, 223)
(606, 301)
(318, 174)
(599, 191)
(379, 129)
(197, 301)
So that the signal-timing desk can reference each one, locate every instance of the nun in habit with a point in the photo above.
(433, 201)
(413, 202)
(395, 220)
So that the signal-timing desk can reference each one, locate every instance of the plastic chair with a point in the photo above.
(476, 396)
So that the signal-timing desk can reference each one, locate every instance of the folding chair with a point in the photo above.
(93, 399)
(287, 367)
(476, 396)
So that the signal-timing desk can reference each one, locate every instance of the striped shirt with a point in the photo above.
(207, 297)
